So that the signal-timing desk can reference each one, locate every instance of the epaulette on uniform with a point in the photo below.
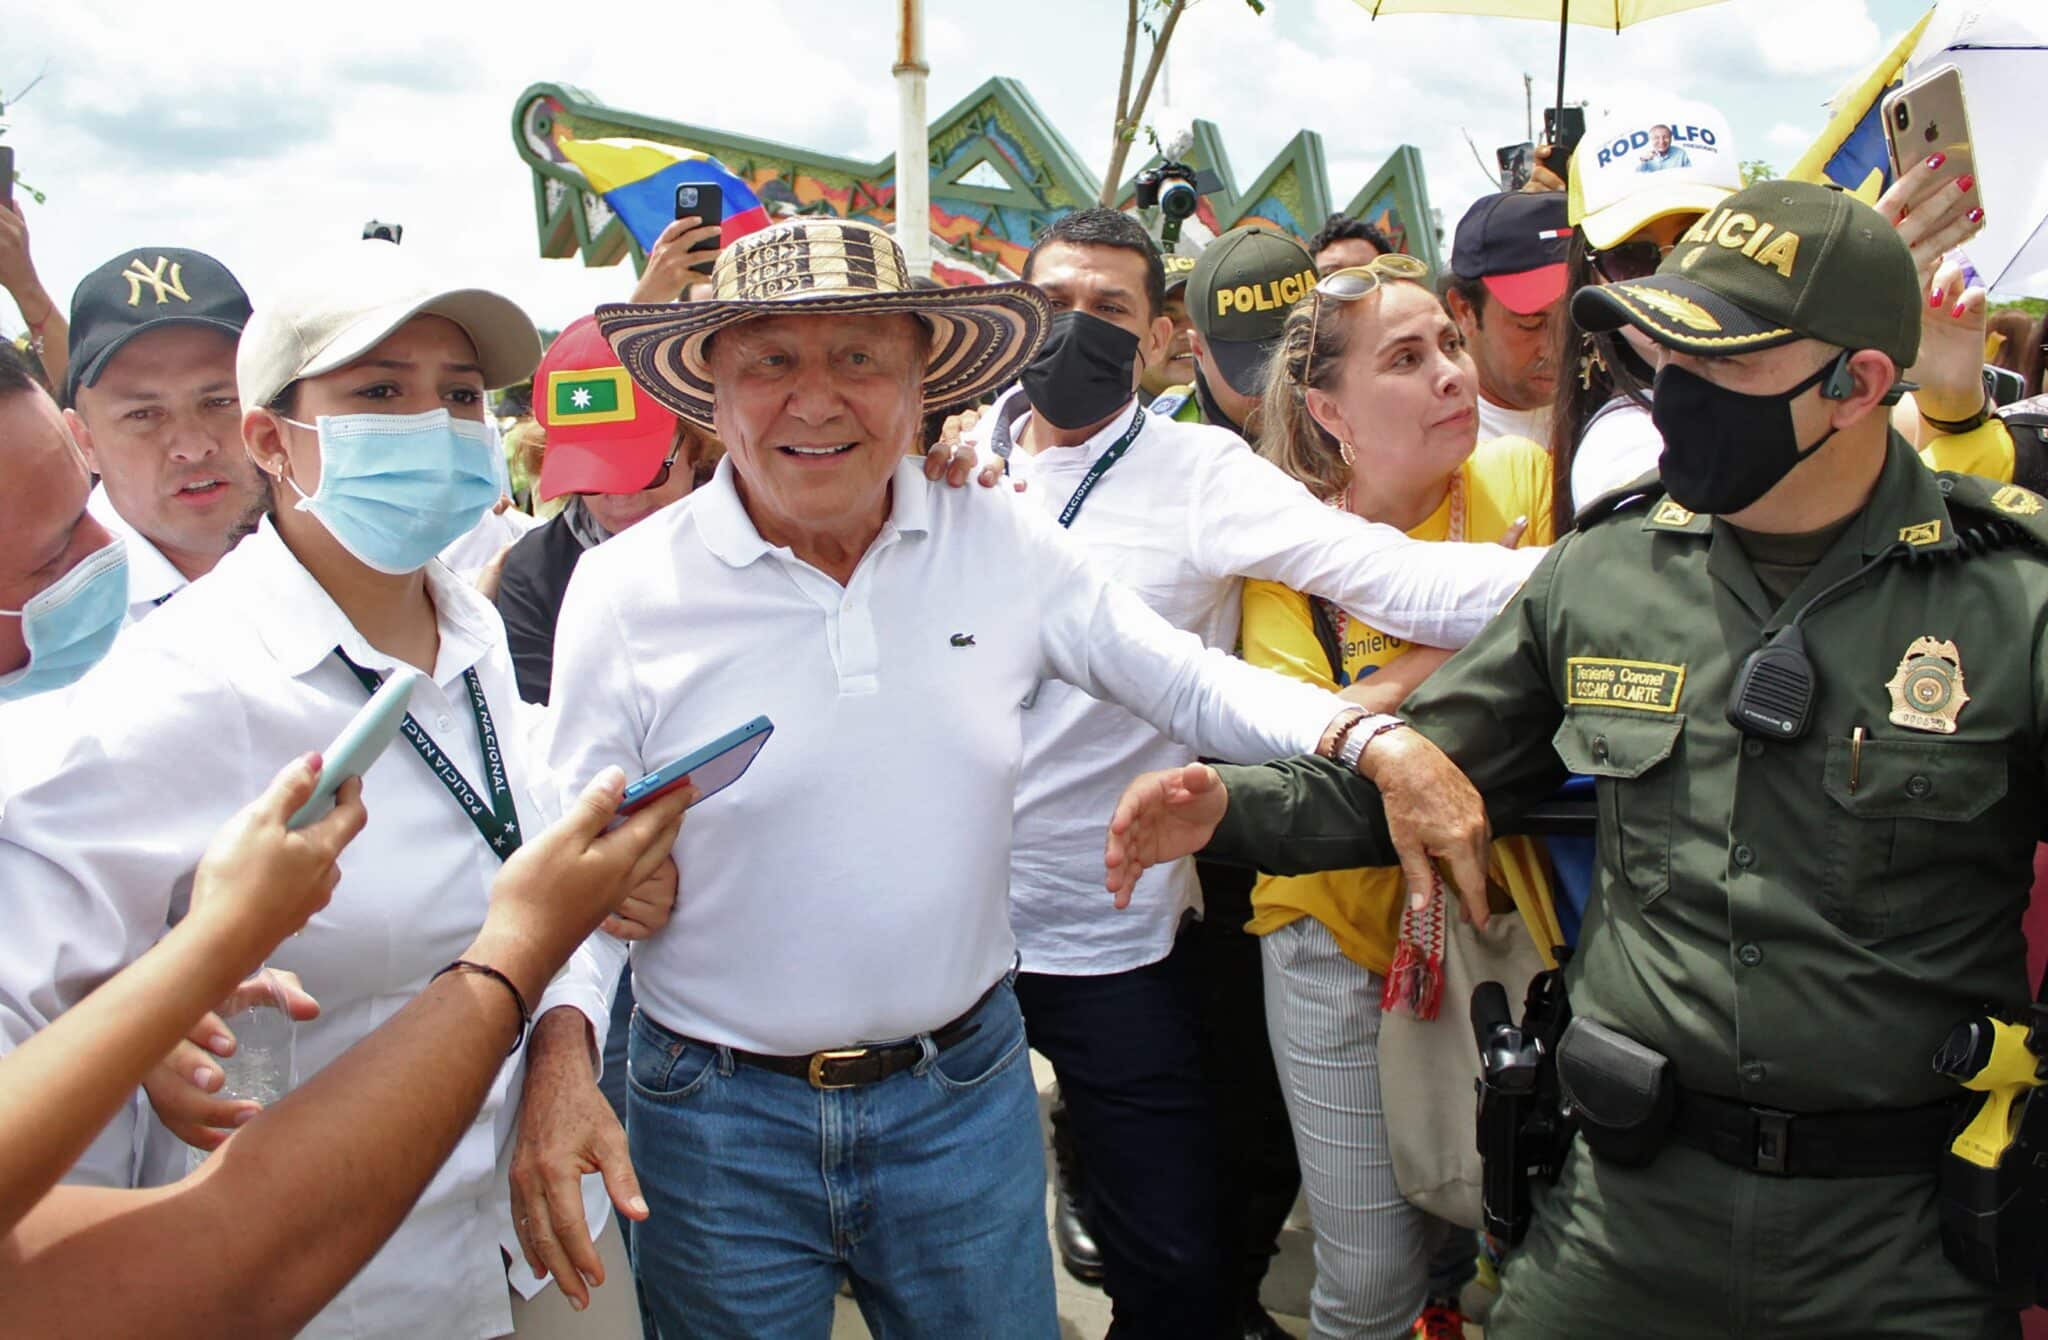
(2021, 509)
(1627, 498)
(1169, 402)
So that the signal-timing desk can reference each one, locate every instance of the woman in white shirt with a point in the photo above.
(363, 401)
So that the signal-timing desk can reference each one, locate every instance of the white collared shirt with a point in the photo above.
(187, 720)
(1500, 421)
(853, 885)
(152, 578)
(1182, 519)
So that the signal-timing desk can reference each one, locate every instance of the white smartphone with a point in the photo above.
(368, 733)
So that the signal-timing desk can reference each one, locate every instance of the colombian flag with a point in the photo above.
(1851, 151)
(638, 180)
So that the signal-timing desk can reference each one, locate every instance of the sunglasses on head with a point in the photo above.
(1350, 284)
(1629, 260)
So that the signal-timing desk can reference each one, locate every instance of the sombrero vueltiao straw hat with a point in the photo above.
(982, 336)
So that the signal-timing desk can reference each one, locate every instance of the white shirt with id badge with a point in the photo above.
(188, 718)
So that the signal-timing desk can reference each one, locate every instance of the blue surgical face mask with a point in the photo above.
(70, 623)
(397, 489)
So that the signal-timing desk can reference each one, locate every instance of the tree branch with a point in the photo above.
(1112, 180)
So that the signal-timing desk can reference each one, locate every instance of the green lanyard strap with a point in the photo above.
(497, 821)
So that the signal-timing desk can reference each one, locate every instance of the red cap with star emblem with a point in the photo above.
(605, 434)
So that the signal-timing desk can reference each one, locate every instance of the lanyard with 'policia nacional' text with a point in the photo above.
(1101, 468)
(498, 821)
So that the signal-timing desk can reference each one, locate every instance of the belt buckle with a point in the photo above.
(1771, 1147)
(817, 1070)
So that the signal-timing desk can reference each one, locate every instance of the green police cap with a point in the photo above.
(1777, 262)
(1238, 297)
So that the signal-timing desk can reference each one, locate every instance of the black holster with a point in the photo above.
(1523, 1134)
(1621, 1093)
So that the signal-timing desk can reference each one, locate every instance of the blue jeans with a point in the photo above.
(927, 1190)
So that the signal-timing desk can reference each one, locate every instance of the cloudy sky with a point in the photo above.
(257, 130)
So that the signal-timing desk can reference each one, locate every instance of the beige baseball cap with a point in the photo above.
(349, 301)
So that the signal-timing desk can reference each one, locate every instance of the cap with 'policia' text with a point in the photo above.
(1238, 297)
(1777, 262)
(1515, 243)
(142, 290)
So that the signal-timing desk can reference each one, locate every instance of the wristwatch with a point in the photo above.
(1351, 749)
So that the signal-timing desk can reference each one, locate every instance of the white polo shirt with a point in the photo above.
(1182, 518)
(152, 578)
(854, 885)
(119, 782)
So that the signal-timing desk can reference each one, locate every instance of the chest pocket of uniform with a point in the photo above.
(1891, 838)
(1631, 758)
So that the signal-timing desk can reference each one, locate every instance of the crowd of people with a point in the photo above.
(1165, 654)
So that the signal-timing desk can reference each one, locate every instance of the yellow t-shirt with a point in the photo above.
(1506, 478)
(1985, 450)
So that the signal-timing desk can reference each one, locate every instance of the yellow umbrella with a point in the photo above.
(1615, 14)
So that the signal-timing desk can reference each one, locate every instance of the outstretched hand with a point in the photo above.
(1433, 814)
(1161, 817)
(260, 882)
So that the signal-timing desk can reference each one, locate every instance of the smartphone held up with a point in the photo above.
(706, 202)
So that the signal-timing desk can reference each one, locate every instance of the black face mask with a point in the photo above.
(1083, 373)
(1723, 450)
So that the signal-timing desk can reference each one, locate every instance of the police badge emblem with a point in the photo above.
(1927, 688)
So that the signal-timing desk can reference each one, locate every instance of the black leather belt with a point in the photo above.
(850, 1067)
(1884, 1142)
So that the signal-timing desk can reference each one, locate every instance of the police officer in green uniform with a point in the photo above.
(1793, 905)
(1238, 296)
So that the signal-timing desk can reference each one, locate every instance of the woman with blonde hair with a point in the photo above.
(1371, 401)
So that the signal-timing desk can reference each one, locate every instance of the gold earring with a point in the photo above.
(1590, 362)
(1349, 456)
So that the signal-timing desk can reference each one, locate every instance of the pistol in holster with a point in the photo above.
(1523, 1134)
(1994, 1174)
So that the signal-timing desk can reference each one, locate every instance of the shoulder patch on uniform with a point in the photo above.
(1643, 493)
(1169, 402)
(1921, 534)
(2022, 509)
(1668, 515)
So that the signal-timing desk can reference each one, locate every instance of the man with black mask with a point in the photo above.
(1806, 672)
(1181, 513)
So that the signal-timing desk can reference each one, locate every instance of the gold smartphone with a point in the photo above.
(1927, 117)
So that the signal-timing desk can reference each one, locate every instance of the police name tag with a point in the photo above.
(1644, 686)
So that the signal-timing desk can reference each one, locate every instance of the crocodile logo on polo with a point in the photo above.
(962, 639)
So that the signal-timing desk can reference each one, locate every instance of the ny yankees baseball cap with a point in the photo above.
(142, 290)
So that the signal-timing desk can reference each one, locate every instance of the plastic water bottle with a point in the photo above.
(264, 1067)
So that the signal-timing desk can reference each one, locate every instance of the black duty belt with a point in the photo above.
(1884, 1142)
(851, 1067)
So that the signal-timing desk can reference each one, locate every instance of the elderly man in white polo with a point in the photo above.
(827, 1069)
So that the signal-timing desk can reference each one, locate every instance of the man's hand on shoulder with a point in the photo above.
(953, 457)
(1161, 817)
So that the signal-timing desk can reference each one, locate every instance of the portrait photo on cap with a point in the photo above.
(1641, 162)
